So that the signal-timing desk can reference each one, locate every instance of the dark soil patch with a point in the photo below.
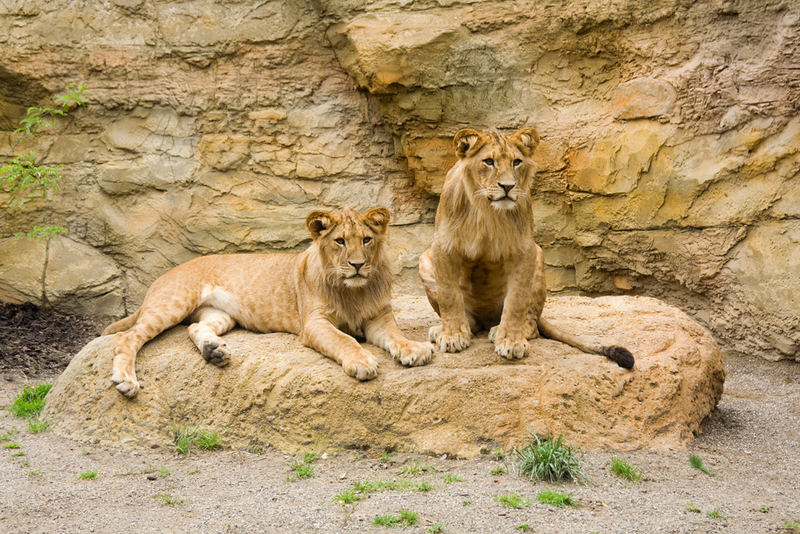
(36, 340)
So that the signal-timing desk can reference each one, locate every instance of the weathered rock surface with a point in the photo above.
(280, 393)
(668, 166)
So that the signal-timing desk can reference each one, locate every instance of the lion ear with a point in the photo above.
(319, 223)
(467, 142)
(377, 219)
(526, 140)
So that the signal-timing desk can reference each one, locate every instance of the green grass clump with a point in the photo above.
(88, 475)
(449, 479)
(791, 525)
(303, 470)
(524, 527)
(714, 514)
(36, 425)
(513, 500)
(414, 469)
(18, 454)
(36, 473)
(424, 487)
(438, 528)
(188, 437)
(693, 508)
(499, 470)
(554, 498)
(208, 440)
(167, 499)
(466, 502)
(30, 402)
(405, 518)
(697, 463)
(347, 497)
(11, 445)
(371, 486)
(7, 436)
(547, 458)
(623, 469)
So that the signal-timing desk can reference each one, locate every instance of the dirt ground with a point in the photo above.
(751, 442)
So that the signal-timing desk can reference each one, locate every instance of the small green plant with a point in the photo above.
(499, 453)
(347, 497)
(36, 473)
(791, 525)
(554, 498)
(714, 514)
(764, 509)
(693, 508)
(386, 520)
(414, 469)
(524, 527)
(513, 500)
(207, 440)
(163, 472)
(697, 463)
(499, 470)
(548, 458)
(18, 454)
(386, 455)
(310, 457)
(449, 479)
(167, 499)
(36, 425)
(30, 402)
(424, 487)
(7, 436)
(195, 471)
(11, 445)
(302, 470)
(188, 437)
(437, 528)
(408, 517)
(371, 486)
(466, 502)
(88, 475)
(623, 469)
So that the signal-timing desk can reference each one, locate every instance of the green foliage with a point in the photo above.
(188, 437)
(302, 470)
(466, 502)
(310, 457)
(22, 177)
(6, 436)
(405, 518)
(499, 470)
(415, 469)
(499, 453)
(208, 440)
(554, 498)
(547, 458)
(36, 425)
(449, 479)
(437, 528)
(623, 469)
(371, 486)
(30, 402)
(513, 500)
(693, 508)
(11, 445)
(36, 473)
(167, 499)
(792, 525)
(347, 497)
(88, 475)
(697, 463)
(524, 527)
(424, 487)
(714, 514)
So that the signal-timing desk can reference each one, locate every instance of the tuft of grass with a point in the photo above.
(791, 525)
(524, 527)
(449, 479)
(11, 445)
(163, 472)
(548, 458)
(414, 469)
(437, 528)
(408, 517)
(499, 470)
(499, 453)
(310, 457)
(554, 498)
(36, 473)
(693, 508)
(513, 500)
(764, 509)
(167, 499)
(184, 437)
(371, 486)
(714, 514)
(188, 437)
(405, 518)
(302, 470)
(208, 440)
(195, 471)
(88, 475)
(621, 468)
(18, 454)
(36, 425)
(466, 502)
(30, 402)
(697, 463)
(347, 497)
(424, 487)
(7, 436)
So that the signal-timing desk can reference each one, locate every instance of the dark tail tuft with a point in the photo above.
(622, 356)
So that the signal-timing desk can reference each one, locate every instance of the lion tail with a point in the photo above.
(122, 324)
(620, 355)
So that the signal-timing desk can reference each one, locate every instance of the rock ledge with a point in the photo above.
(280, 393)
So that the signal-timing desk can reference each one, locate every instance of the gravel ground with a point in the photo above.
(751, 442)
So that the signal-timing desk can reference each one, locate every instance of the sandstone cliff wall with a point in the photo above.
(669, 162)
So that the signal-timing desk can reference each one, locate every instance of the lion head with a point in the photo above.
(497, 170)
(351, 246)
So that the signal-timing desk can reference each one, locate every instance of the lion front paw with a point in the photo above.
(412, 353)
(506, 345)
(126, 385)
(363, 366)
(216, 353)
(450, 341)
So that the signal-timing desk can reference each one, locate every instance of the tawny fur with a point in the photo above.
(484, 270)
(337, 288)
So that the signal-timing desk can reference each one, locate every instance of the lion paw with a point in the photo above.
(508, 346)
(413, 353)
(128, 386)
(450, 342)
(362, 367)
(216, 353)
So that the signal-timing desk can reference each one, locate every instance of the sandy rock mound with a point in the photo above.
(280, 393)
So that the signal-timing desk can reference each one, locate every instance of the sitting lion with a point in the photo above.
(340, 285)
(484, 269)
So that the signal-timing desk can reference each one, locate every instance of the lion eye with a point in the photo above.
(339, 241)
(367, 240)
(517, 162)
(489, 162)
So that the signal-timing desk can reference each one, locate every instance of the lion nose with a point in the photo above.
(356, 266)
(506, 187)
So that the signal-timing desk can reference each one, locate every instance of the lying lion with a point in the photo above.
(484, 269)
(337, 288)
